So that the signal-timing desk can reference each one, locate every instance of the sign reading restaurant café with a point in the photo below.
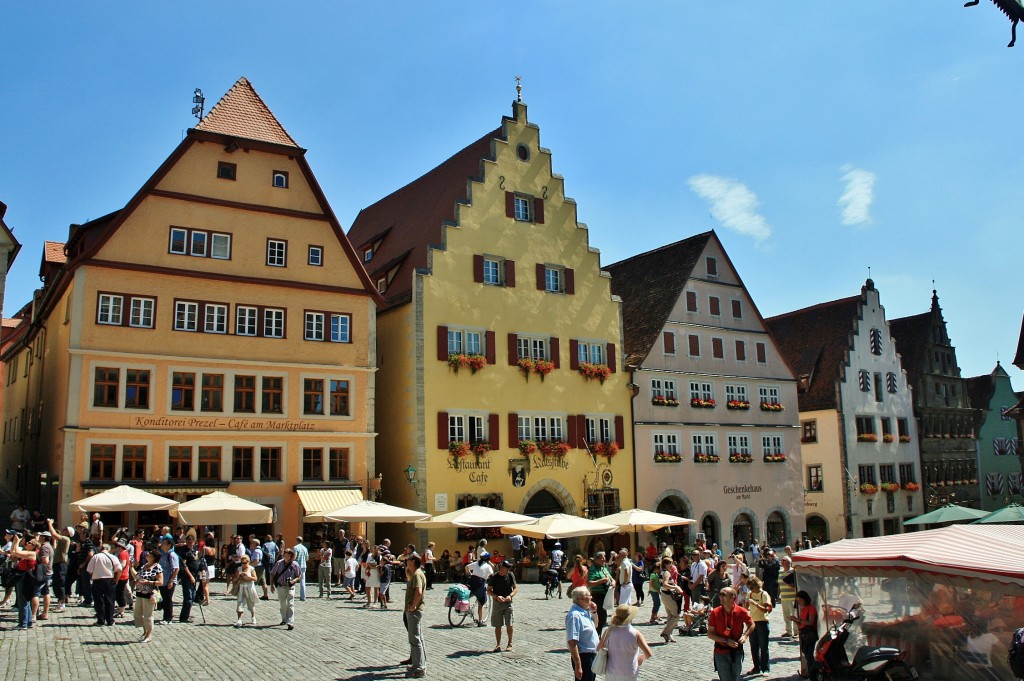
(222, 424)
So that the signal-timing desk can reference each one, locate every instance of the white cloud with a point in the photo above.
(732, 204)
(858, 195)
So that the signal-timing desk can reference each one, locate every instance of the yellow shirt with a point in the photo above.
(762, 597)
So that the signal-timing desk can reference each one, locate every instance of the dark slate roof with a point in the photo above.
(412, 218)
(979, 390)
(1018, 361)
(649, 285)
(815, 342)
(911, 335)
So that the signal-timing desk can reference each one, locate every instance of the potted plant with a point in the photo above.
(458, 448)
(608, 449)
(911, 486)
(527, 446)
(667, 457)
(599, 371)
(737, 405)
(526, 366)
(867, 437)
(868, 488)
(661, 401)
(476, 362)
(737, 457)
(702, 403)
(553, 447)
(904, 438)
(705, 458)
(772, 406)
(774, 458)
(890, 486)
(888, 438)
(543, 367)
(480, 448)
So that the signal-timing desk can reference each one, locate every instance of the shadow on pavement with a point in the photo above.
(468, 653)
(368, 673)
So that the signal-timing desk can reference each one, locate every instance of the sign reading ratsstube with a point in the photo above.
(741, 491)
(221, 424)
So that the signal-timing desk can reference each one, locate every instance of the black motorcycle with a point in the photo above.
(869, 662)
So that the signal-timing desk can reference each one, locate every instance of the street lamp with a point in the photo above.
(410, 475)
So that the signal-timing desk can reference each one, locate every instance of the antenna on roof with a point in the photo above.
(519, 88)
(200, 103)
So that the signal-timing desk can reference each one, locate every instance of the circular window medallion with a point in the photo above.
(523, 152)
(607, 477)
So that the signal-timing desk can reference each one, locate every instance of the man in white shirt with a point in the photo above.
(19, 517)
(96, 529)
(301, 558)
(698, 577)
(104, 568)
(348, 580)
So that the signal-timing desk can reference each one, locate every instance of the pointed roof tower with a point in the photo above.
(242, 113)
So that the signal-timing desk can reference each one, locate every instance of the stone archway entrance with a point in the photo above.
(543, 503)
(679, 535)
(817, 528)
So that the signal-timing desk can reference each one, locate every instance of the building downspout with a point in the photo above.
(844, 462)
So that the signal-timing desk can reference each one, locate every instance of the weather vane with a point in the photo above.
(1014, 11)
(200, 102)
(519, 88)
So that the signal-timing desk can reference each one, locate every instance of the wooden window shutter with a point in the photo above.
(442, 343)
(490, 351)
(669, 339)
(570, 431)
(611, 357)
(579, 428)
(513, 349)
(510, 273)
(513, 430)
(620, 431)
(570, 281)
(510, 205)
(492, 431)
(714, 305)
(478, 269)
(553, 350)
(540, 276)
(737, 309)
(694, 341)
(538, 211)
(574, 354)
(717, 348)
(741, 351)
(762, 353)
(442, 430)
(691, 301)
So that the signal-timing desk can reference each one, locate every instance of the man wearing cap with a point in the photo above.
(121, 596)
(171, 565)
(283, 578)
(502, 588)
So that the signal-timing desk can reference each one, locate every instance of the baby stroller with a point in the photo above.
(698, 625)
(552, 583)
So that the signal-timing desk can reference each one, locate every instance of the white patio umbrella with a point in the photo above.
(221, 508)
(373, 511)
(475, 516)
(635, 519)
(560, 526)
(123, 498)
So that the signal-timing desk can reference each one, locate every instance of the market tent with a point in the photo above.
(950, 513)
(221, 508)
(560, 526)
(636, 519)
(1014, 513)
(123, 498)
(475, 516)
(373, 511)
(971, 556)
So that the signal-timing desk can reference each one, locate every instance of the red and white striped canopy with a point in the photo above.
(973, 556)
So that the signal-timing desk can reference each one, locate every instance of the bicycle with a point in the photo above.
(457, 617)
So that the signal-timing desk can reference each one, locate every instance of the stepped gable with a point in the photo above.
(1018, 361)
(649, 285)
(411, 219)
(911, 337)
(979, 390)
(815, 342)
(242, 113)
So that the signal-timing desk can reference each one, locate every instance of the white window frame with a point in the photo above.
(667, 443)
(466, 341)
(522, 209)
(184, 241)
(468, 427)
(735, 392)
(738, 443)
(598, 428)
(536, 347)
(277, 253)
(541, 427)
(670, 389)
(341, 328)
(315, 256)
(190, 321)
(225, 246)
(215, 318)
(772, 444)
(279, 180)
(704, 443)
(493, 271)
(768, 393)
(702, 391)
(110, 310)
(554, 279)
(192, 242)
(142, 313)
(592, 352)
(246, 320)
(314, 326)
(657, 388)
(273, 322)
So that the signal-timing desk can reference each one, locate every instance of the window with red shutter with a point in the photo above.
(762, 353)
(669, 341)
(489, 350)
(513, 350)
(553, 349)
(442, 430)
(510, 273)
(478, 269)
(540, 276)
(538, 211)
(570, 281)
(691, 301)
(714, 305)
(712, 266)
(492, 431)
(694, 342)
(442, 343)
(611, 357)
(717, 348)
(510, 205)
(737, 309)
(574, 356)
(741, 351)
(620, 431)
(513, 430)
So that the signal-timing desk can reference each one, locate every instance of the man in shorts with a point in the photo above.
(502, 588)
(348, 579)
(339, 545)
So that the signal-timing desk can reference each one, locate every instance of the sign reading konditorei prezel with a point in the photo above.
(221, 424)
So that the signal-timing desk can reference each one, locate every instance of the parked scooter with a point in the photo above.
(869, 662)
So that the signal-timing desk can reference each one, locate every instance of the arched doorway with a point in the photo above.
(775, 528)
(709, 528)
(678, 536)
(817, 528)
(742, 530)
(543, 503)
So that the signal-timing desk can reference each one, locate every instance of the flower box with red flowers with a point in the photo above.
(904, 438)
(888, 438)
(553, 447)
(774, 458)
(867, 437)
(705, 458)
(736, 457)
(911, 486)
(660, 401)
(599, 371)
(737, 405)
(667, 457)
(527, 446)
(480, 448)
(702, 403)
(772, 406)
(458, 448)
(474, 361)
(541, 367)
(868, 488)
(609, 448)
(890, 486)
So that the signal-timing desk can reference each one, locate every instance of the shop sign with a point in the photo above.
(204, 423)
(476, 468)
(741, 491)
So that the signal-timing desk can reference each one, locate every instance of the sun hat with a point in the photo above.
(624, 614)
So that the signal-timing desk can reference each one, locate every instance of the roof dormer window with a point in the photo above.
(226, 171)
(280, 179)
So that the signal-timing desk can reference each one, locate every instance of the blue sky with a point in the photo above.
(819, 139)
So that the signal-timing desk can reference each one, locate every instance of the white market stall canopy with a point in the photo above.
(123, 498)
(221, 508)
(560, 526)
(475, 516)
(970, 556)
(635, 519)
(373, 511)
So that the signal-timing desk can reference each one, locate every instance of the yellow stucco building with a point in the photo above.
(495, 306)
(216, 332)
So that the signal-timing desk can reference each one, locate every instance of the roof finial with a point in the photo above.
(200, 102)
(519, 89)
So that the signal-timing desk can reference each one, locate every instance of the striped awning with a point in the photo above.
(317, 501)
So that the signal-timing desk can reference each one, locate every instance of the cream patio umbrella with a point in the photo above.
(475, 516)
(123, 498)
(221, 508)
(373, 511)
(560, 526)
(636, 519)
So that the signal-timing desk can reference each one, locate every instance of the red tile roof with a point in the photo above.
(411, 219)
(53, 252)
(649, 285)
(815, 342)
(242, 113)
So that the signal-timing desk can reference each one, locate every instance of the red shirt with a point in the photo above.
(734, 622)
(123, 557)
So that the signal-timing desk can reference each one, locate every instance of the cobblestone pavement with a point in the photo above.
(335, 639)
